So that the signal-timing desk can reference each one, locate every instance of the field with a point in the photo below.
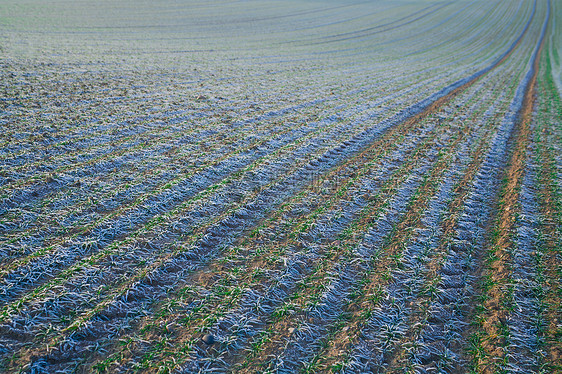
(337, 186)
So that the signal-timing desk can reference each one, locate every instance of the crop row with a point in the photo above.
(325, 187)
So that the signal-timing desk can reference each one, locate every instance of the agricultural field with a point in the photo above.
(280, 186)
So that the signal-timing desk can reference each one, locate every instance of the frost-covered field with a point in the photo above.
(281, 186)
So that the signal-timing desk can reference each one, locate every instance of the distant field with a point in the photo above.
(281, 186)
